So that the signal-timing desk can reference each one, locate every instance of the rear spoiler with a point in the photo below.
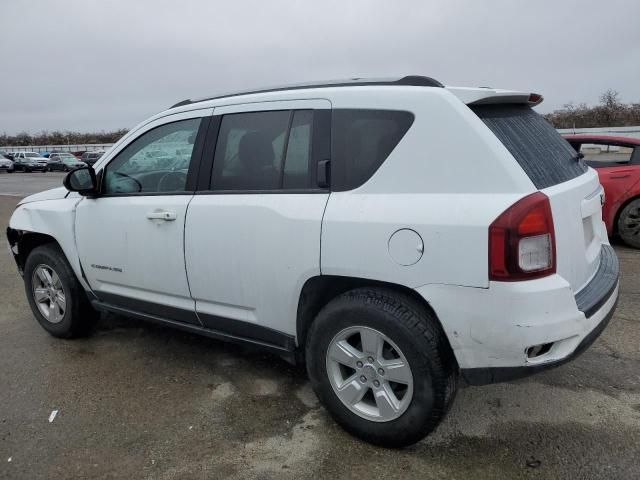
(491, 96)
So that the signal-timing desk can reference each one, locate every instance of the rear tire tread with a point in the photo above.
(435, 354)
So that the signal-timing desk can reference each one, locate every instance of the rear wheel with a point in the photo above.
(629, 224)
(55, 296)
(380, 363)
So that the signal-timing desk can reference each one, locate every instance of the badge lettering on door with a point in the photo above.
(105, 267)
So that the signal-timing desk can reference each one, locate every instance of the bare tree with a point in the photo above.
(58, 137)
(611, 112)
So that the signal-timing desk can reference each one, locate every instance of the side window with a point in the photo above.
(606, 155)
(263, 151)
(157, 161)
(361, 140)
(297, 165)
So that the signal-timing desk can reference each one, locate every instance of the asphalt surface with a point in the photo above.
(20, 184)
(141, 401)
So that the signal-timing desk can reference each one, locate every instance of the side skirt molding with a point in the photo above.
(283, 346)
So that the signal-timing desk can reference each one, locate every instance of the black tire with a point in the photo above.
(79, 317)
(417, 333)
(629, 223)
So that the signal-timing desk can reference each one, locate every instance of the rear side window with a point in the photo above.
(263, 151)
(546, 157)
(361, 140)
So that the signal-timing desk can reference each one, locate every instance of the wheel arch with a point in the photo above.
(318, 291)
(47, 221)
(23, 242)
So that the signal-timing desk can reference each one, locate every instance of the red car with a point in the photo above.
(617, 161)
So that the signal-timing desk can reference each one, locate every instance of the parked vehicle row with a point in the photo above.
(34, 162)
(393, 235)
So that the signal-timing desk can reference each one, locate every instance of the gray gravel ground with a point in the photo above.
(141, 401)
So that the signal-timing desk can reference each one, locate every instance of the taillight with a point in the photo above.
(522, 243)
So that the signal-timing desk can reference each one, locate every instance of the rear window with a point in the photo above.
(361, 140)
(546, 157)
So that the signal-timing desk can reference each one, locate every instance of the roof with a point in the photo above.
(604, 139)
(410, 80)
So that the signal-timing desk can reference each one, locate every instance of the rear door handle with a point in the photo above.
(165, 215)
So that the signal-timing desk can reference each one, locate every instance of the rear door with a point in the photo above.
(252, 235)
(573, 189)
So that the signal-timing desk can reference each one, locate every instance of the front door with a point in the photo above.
(131, 237)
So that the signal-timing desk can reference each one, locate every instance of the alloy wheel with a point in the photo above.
(48, 293)
(369, 374)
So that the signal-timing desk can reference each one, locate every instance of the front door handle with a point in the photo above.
(165, 215)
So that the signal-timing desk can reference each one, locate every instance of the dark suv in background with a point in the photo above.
(91, 157)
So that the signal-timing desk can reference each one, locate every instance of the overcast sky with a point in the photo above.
(93, 65)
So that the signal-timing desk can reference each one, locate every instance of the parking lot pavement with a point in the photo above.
(141, 401)
(23, 184)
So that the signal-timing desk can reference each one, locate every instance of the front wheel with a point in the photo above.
(629, 224)
(55, 296)
(381, 365)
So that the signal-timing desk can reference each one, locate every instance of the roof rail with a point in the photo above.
(410, 80)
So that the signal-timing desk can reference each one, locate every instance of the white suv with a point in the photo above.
(392, 234)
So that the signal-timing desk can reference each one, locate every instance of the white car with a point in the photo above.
(391, 234)
(29, 162)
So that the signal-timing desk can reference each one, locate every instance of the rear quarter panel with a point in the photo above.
(447, 179)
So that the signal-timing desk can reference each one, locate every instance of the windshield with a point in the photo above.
(31, 155)
(2, 157)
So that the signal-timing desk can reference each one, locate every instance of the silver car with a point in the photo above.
(6, 164)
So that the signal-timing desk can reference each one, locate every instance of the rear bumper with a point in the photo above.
(485, 376)
(491, 330)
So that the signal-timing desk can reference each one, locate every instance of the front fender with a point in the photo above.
(54, 218)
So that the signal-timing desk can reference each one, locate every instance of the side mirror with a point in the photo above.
(82, 180)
